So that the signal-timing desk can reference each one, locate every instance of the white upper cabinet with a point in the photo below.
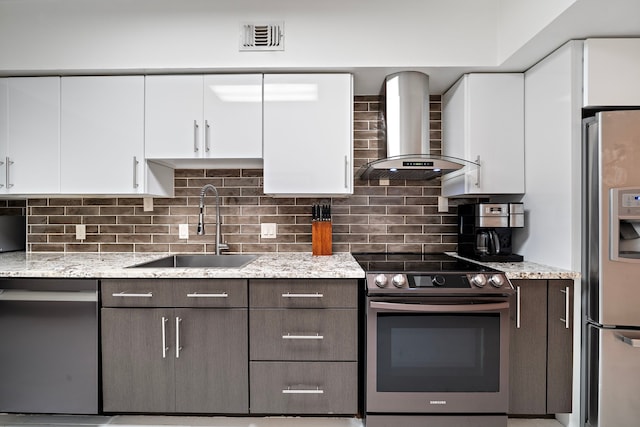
(31, 145)
(483, 119)
(611, 70)
(102, 138)
(191, 117)
(308, 137)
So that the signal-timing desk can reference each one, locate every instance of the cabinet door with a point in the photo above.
(213, 363)
(308, 146)
(483, 116)
(174, 121)
(528, 355)
(137, 360)
(33, 141)
(560, 347)
(233, 116)
(102, 128)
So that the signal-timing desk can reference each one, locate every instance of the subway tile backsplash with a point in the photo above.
(402, 216)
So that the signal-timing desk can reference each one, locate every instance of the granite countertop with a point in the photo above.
(527, 269)
(113, 265)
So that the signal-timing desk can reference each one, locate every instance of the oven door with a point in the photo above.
(437, 356)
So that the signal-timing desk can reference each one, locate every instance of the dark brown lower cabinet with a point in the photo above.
(304, 346)
(178, 359)
(541, 348)
(207, 373)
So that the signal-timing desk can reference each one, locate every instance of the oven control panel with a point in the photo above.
(481, 282)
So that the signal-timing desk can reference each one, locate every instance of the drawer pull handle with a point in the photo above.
(290, 295)
(317, 390)
(130, 295)
(198, 295)
(303, 337)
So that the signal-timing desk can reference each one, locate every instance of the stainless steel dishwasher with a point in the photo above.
(49, 346)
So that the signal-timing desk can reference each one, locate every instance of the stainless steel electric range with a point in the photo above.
(437, 341)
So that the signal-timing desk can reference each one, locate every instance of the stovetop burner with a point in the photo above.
(428, 274)
(416, 262)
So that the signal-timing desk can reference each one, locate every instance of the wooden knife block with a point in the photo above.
(321, 238)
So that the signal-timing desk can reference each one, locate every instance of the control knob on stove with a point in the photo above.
(478, 280)
(381, 280)
(438, 280)
(496, 280)
(398, 280)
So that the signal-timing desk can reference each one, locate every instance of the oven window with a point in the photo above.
(438, 352)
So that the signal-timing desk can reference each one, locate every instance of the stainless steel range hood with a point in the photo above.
(406, 127)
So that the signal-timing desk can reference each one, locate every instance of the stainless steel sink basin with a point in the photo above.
(199, 261)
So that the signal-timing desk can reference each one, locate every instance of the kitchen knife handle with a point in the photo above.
(135, 172)
(566, 320)
(195, 136)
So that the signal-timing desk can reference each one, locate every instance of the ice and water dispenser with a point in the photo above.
(625, 224)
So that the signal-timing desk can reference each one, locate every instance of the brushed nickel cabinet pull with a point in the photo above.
(303, 337)
(164, 337)
(566, 320)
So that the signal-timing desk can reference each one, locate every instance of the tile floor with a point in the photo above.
(9, 420)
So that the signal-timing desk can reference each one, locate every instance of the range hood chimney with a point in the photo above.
(406, 126)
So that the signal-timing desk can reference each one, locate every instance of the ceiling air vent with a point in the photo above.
(262, 36)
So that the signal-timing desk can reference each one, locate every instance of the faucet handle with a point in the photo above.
(224, 247)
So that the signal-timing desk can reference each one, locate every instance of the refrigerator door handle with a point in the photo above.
(633, 342)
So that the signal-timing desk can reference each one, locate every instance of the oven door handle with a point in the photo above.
(439, 308)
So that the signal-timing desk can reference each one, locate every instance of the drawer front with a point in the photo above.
(304, 388)
(310, 334)
(218, 293)
(304, 293)
(137, 293)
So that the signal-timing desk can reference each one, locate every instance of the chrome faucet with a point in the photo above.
(219, 245)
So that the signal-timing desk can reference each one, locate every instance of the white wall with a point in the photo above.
(165, 34)
(553, 94)
(520, 20)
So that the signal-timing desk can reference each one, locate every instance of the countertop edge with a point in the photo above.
(526, 269)
(117, 266)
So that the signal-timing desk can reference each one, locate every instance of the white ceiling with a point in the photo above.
(371, 38)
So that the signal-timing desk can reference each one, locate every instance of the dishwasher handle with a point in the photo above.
(52, 296)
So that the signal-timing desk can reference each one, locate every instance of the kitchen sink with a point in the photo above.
(199, 261)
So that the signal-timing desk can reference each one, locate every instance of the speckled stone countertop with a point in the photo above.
(114, 265)
(527, 270)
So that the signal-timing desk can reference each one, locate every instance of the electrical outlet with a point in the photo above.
(81, 231)
(268, 230)
(443, 204)
(383, 181)
(183, 231)
(147, 204)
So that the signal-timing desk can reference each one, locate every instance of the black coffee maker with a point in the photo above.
(485, 229)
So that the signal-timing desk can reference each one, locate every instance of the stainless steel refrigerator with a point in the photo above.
(611, 270)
